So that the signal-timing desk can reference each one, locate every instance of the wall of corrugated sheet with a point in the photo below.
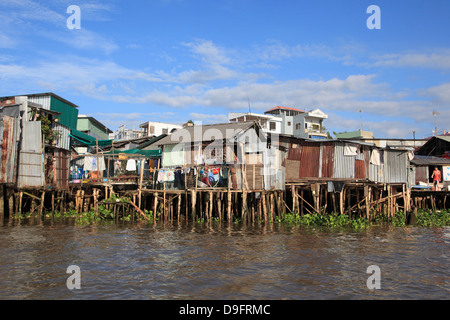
(62, 168)
(396, 166)
(44, 101)
(343, 166)
(327, 160)
(63, 141)
(31, 173)
(309, 163)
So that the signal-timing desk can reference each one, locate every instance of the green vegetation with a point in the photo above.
(424, 218)
(428, 218)
(327, 220)
(88, 217)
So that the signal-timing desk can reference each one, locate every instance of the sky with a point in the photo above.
(171, 61)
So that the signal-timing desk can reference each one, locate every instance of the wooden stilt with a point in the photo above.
(2, 203)
(155, 206)
(41, 207)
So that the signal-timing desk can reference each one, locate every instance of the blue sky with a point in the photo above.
(175, 60)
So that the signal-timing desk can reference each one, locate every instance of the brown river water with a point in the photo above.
(219, 262)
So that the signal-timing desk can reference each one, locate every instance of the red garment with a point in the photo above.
(436, 175)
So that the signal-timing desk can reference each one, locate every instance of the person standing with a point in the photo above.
(436, 176)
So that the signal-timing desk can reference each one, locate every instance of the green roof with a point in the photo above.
(87, 140)
(147, 153)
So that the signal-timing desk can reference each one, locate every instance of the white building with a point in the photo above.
(310, 125)
(150, 129)
(288, 121)
(269, 123)
(126, 134)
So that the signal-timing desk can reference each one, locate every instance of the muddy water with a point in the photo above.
(202, 261)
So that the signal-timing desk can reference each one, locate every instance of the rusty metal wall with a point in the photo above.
(360, 169)
(62, 163)
(327, 160)
(8, 133)
(309, 163)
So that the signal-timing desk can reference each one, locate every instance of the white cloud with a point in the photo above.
(208, 118)
(434, 60)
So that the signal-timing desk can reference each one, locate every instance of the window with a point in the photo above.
(289, 123)
(165, 130)
(273, 126)
(152, 129)
(298, 126)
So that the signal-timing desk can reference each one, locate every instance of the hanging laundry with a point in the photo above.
(90, 163)
(169, 176)
(350, 150)
(161, 176)
(131, 165)
(375, 158)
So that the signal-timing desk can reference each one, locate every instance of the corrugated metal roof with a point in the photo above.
(429, 161)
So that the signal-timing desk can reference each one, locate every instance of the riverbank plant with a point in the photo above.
(326, 220)
(424, 218)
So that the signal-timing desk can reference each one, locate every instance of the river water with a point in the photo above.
(219, 262)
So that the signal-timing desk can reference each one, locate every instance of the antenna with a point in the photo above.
(360, 111)
(435, 114)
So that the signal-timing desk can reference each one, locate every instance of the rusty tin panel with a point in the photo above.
(360, 169)
(8, 145)
(327, 160)
(309, 163)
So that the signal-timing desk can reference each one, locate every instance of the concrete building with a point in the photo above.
(309, 125)
(126, 134)
(93, 127)
(150, 129)
(287, 121)
(268, 123)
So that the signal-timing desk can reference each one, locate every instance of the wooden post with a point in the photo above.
(41, 207)
(95, 195)
(20, 202)
(294, 197)
(367, 199)
(219, 204)
(210, 205)
(155, 206)
(193, 203)
(244, 205)
(2, 204)
(178, 206)
(271, 206)
(264, 206)
(53, 204)
(141, 178)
